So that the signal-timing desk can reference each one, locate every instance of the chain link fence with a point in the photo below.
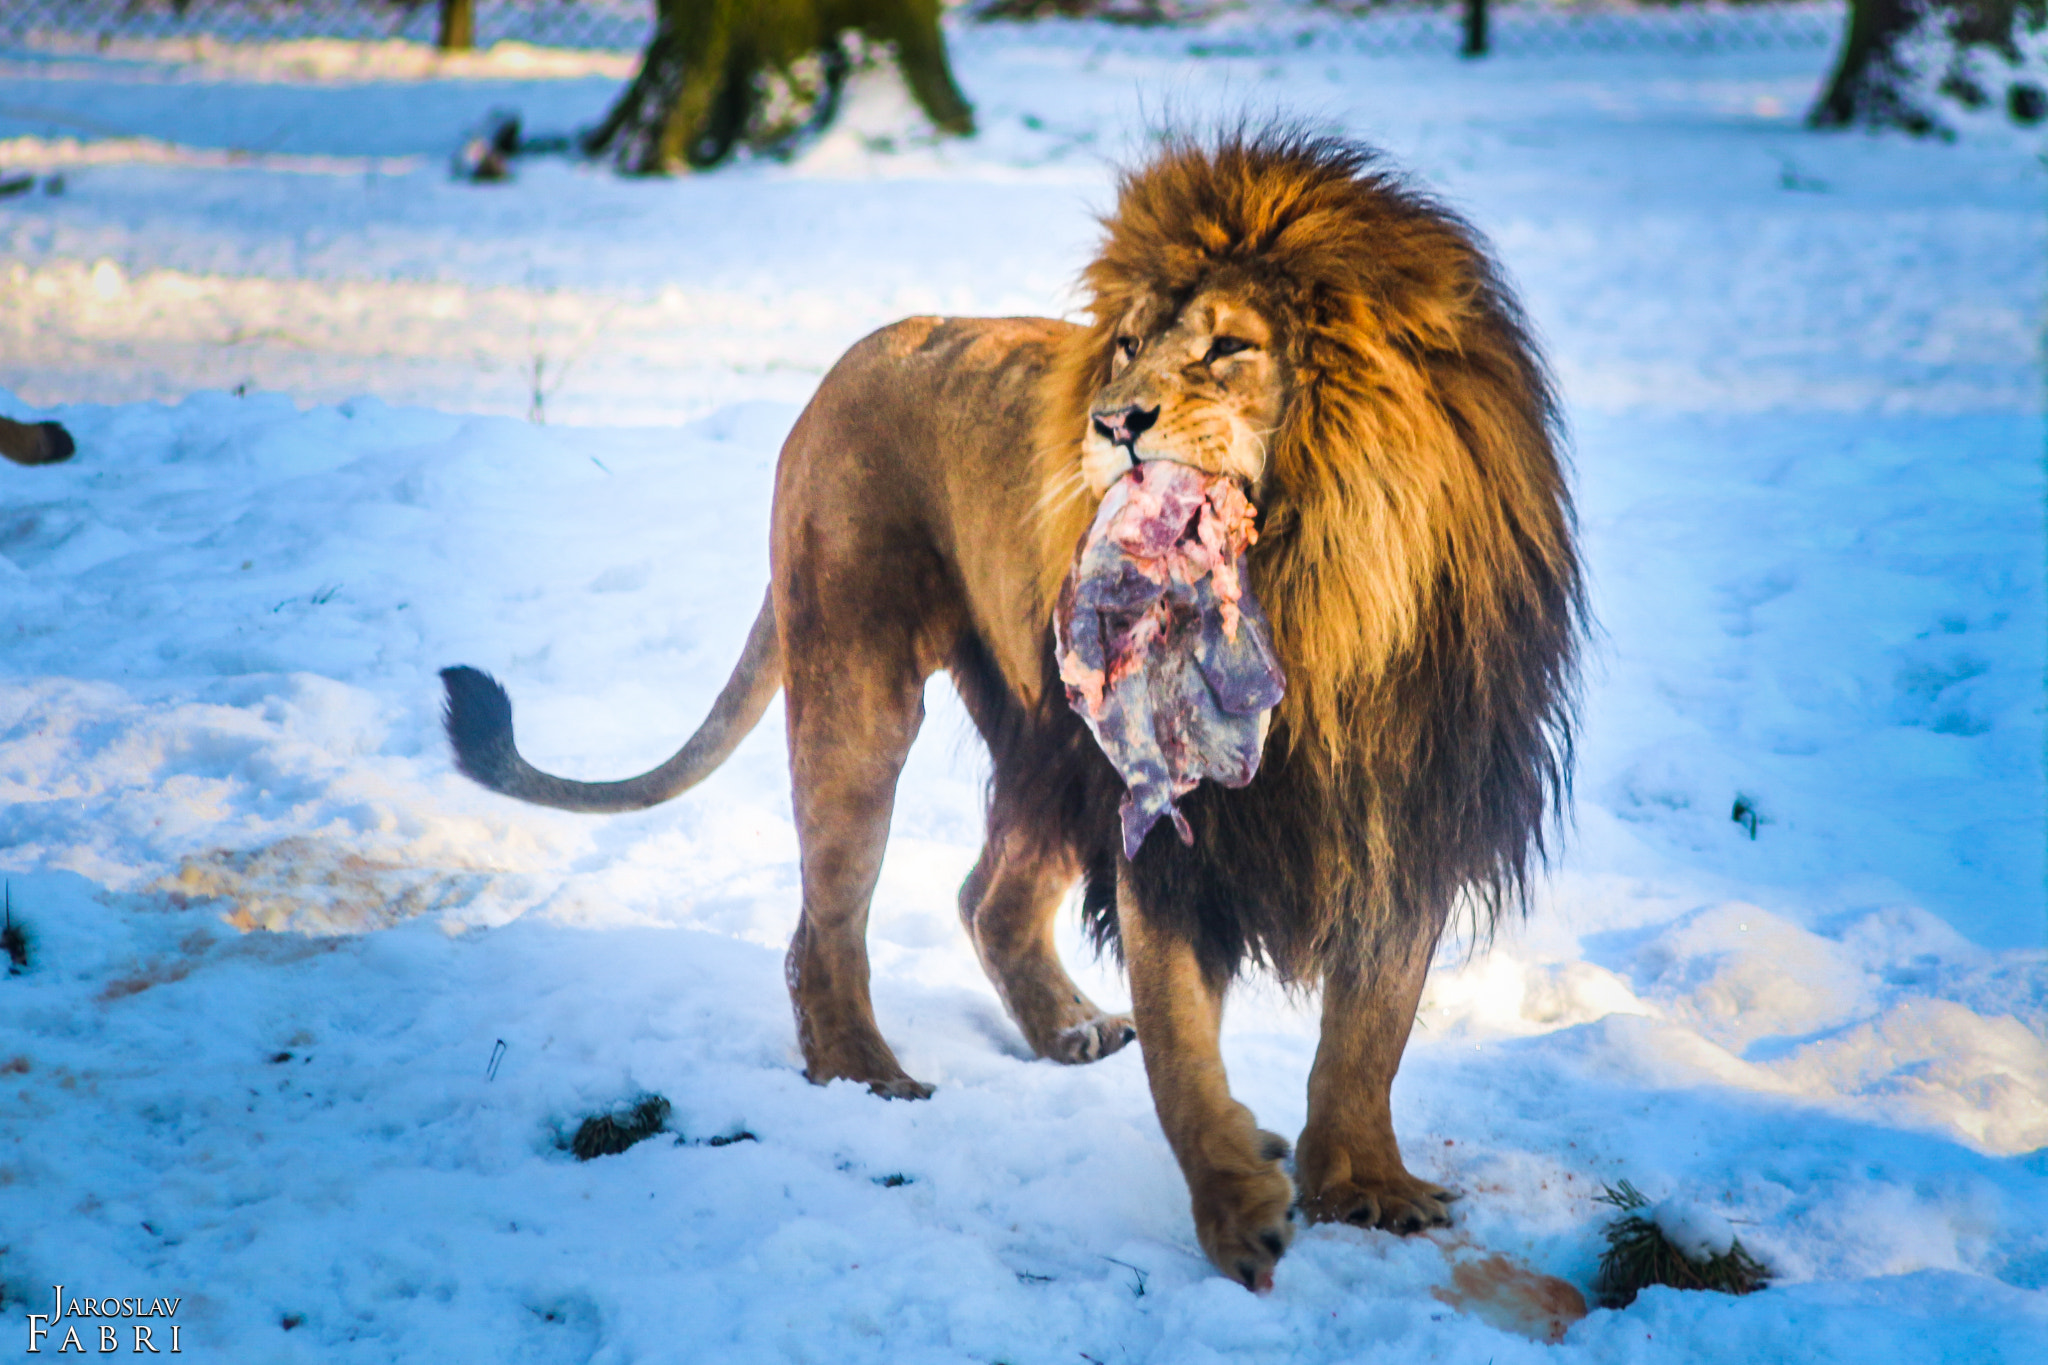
(1539, 27)
(60, 24)
(1248, 27)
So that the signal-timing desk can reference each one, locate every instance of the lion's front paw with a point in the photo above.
(1244, 1212)
(1403, 1204)
(1092, 1039)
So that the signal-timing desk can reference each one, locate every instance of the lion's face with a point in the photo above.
(1201, 385)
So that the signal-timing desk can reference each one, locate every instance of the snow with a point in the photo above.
(1699, 1233)
(276, 938)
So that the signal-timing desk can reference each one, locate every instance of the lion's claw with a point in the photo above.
(1405, 1207)
(1245, 1216)
(1092, 1039)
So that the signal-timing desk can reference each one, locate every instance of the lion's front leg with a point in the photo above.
(1348, 1162)
(1241, 1194)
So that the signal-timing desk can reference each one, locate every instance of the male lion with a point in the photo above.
(1279, 308)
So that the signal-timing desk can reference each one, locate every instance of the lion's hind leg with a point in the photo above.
(853, 713)
(1348, 1164)
(1009, 903)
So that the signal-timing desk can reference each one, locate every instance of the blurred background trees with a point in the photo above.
(721, 74)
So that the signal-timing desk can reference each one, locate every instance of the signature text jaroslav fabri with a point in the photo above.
(147, 1320)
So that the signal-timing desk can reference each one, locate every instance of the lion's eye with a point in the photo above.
(1223, 346)
(1126, 347)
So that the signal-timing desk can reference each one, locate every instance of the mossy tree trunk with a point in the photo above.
(1875, 83)
(712, 64)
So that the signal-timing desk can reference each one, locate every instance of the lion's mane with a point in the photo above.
(1416, 557)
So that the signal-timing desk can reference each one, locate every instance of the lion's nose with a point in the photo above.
(1123, 426)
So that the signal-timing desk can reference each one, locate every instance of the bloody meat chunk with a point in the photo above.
(1163, 648)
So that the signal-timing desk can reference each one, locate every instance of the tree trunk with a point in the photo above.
(1874, 83)
(458, 25)
(702, 79)
(912, 28)
(1871, 86)
(1475, 44)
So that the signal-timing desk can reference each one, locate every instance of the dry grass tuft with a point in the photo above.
(16, 942)
(610, 1133)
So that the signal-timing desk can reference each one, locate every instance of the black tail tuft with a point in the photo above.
(478, 718)
(57, 443)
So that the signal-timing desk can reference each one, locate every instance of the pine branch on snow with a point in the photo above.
(1672, 1245)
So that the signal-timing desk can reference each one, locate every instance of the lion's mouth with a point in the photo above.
(1165, 651)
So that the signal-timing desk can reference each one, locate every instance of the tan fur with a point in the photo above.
(1241, 1196)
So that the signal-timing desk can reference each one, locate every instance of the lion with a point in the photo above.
(1280, 307)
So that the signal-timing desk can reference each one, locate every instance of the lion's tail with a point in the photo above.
(478, 718)
(35, 442)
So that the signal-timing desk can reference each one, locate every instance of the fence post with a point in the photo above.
(1475, 29)
(458, 25)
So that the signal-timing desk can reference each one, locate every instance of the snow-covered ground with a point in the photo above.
(277, 940)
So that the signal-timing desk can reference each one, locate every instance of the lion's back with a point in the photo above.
(917, 447)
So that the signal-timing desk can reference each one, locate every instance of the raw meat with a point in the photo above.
(1163, 648)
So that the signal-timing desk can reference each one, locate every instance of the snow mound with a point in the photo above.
(1699, 1233)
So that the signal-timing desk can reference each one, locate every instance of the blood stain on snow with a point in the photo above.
(158, 974)
(1502, 1292)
